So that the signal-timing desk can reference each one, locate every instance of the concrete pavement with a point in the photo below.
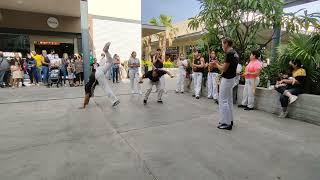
(44, 136)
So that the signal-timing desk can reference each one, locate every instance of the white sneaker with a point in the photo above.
(283, 114)
(292, 99)
(140, 92)
(132, 92)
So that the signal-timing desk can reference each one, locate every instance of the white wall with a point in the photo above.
(126, 9)
(124, 37)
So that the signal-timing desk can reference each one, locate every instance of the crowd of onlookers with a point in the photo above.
(36, 68)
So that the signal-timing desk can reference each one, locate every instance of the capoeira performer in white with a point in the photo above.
(182, 66)
(101, 75)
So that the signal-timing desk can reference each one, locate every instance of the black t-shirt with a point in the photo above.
(198, 62)
(231, 57)
(158, 63)
(154, 79)
(213, 70)
(47, 60)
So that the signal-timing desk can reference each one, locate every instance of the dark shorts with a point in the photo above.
(89, 89)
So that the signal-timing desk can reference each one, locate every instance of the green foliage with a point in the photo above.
(169, 64)
(241, 20)
(146, 63)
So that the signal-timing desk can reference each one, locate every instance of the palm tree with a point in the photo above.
(164, 38)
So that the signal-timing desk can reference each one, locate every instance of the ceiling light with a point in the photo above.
(20, 2)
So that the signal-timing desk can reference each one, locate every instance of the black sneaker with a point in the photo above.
(144, 101)
(193, 95)
(248, 109)
(210, 97)
(182, 92)
(116, 103)
(216, 101)
(242, 106)
(160, 101)
(225, 127)
(197, 97)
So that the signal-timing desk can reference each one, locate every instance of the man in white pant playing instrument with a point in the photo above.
(251, 75)
(213, 72)
(198, 67)
(228, 69)
(182, 64)
(101, 75)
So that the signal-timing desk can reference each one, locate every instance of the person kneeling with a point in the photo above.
(154, 77)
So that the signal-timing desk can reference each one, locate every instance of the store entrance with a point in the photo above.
(59, 48)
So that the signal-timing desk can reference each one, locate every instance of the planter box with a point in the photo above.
(306, 108)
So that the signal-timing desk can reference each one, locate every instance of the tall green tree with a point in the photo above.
(166, 38)
(241, 20)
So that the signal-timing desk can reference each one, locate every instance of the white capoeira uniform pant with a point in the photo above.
(248, 92)
(212, 85)
(159, 89)
(226, 101)
(197, 80)
(162, 81)
(180, 79)
(101, 76)
(134, 79)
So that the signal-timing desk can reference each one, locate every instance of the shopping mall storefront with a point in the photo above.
(22, 32)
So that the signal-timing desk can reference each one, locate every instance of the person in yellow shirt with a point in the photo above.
(38, 59)
(290, 88)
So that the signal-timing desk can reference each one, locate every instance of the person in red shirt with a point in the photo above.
(251, 75)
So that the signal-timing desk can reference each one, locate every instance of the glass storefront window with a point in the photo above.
(14, 43)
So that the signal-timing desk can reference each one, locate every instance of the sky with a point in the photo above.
(180, 10)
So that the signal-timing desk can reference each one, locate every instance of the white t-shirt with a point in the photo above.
(182, 64)
(238, 71)
(55, 62)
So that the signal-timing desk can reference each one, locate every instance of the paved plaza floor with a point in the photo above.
(44, 136)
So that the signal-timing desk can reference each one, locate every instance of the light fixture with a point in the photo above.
(19, 2)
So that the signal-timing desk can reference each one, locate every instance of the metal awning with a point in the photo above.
(148, 30)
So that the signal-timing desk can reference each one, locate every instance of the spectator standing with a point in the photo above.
(63, 68)
(38, 59)
(16, 72)
(78, 70)
(32, 70)
(116, 65)
(4, 67)
(71, 69)
(45, 67)
(133, 66)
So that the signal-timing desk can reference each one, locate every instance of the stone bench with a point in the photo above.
(306, 108)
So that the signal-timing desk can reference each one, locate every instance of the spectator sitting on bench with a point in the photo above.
(290, 87)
